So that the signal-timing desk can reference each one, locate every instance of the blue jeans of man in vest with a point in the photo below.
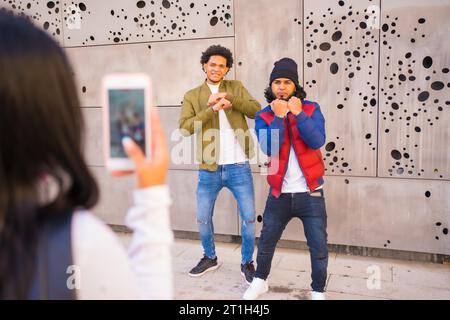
(312, 212)
(238, 179)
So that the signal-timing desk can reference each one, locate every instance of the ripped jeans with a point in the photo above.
(238, 179)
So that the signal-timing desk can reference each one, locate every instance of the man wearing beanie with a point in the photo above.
(217, 110)
(290, 131)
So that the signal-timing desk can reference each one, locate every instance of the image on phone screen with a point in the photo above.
(127, 119)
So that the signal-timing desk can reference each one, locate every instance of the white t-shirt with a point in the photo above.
(230, 149)
(294, 180)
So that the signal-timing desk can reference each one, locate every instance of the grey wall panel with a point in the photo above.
(261, 190)
(377, 213)
(341, 73)
(115, 196)
(294, 231)
(414, 135)
(384, 213)
(174, 67)
(93, 139)
(183, 187)
(259, 161)
(117, 21)
(260, 43)
(182, 149)
(45, 14)
(265, 32)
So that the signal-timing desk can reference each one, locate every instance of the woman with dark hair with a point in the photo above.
(51, 247)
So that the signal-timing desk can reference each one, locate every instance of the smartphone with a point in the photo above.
(127, 99)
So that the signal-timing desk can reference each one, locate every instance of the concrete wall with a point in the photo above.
(379, 70)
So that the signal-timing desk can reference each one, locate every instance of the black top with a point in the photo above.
(53, 279)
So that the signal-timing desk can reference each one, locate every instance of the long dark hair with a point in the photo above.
(299, 93)
(40, 133)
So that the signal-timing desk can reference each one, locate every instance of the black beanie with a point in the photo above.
(285, 68)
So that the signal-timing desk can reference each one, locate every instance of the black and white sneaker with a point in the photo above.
(248, 271)
(206, 264)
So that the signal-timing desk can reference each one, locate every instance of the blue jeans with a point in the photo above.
(238, 179)
(311, 211)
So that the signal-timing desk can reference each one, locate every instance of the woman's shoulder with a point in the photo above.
(91, 227)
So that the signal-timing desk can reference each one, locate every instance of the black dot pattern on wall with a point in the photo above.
(441, 230)
(411, 88)
(334, 38)
(403, 164)
(341, 49)
(335, 163)
(45, 14)
(154, 20)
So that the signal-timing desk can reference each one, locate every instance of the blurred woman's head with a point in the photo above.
(40, 136)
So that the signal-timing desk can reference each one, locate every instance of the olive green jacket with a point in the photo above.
(197, 117)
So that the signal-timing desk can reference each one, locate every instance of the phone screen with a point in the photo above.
(126, 119)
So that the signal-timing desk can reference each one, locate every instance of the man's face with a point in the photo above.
(216, 69)
(283, 88)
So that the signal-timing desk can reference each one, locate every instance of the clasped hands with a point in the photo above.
(282, 107)
(218, 101)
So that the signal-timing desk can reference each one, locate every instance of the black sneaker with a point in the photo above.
(206, 264)
(248, 271)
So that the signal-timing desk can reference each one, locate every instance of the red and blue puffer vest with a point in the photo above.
(310, 160)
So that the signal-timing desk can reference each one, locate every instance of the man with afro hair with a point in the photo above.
(216, 111)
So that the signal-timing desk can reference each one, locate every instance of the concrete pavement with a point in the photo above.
(349, 277)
